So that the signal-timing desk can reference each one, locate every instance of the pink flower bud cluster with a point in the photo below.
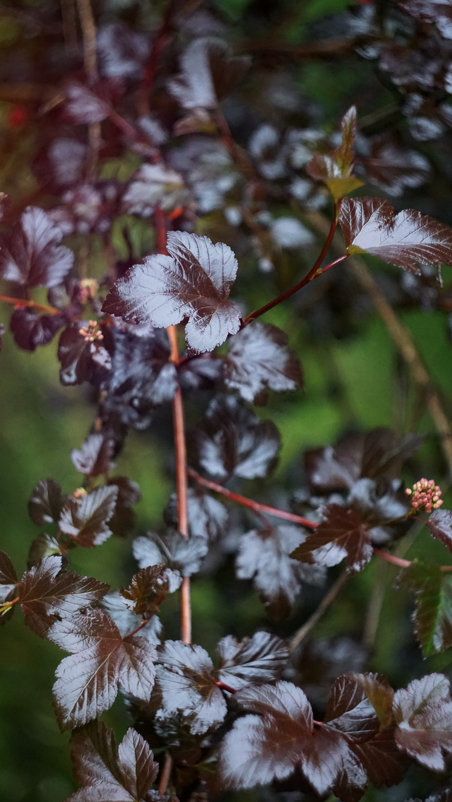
(91, 332)
(425, 495)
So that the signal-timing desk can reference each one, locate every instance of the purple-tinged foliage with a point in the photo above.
(84, 519)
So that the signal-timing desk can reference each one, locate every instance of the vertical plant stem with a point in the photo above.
(180, 449)
(165, 773)
(88, 26)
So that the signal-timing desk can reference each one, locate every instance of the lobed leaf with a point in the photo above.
(252, 661)
(407, 239)
(440, 525)
(207, 517)
(8, 577)
(433, 610)
(174, 551)
(94, 457)
(31, 253)
(87, 681)
(264, 556)
(258, 358)
(108, 773)
(187, 685)
(80, 359)
(31, 329)
(46, 502)
(340, 535)
(147, 589)
(232, 441)
(193, 281)
(423, 714)
(85, 519)
(49, 592)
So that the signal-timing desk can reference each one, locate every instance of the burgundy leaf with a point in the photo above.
(127, 621)
(48, 592)
(94, 457)
(350, 711)
(85, 519)
(207, 517)
(394, 167)
(31, 254)
(81, 359)
(383, 761)
(122, 51)
(423, 714)
(233, 441)
(336, 168)
(44, 546)
(46, 502)
(406, 239)
(252, 661)
(264, 556)
(340, 535)
(193, 281)
(141, 377)
(208, 73)
(8, 577)
(87, 681)
(433, 610)
(187, 684)
(148, 588)
(154, 185)
(123, 518)
(31, 329)
(174, 551)
(110, 774)
(89, 105)
(278, 737)
(258, 358)
(436, 11)
(440, 525)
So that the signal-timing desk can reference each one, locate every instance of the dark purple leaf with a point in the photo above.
(383, 761)
(154, 185)
(436, 11)
(89, 105)
(277, 737)
(442, 796)
(440, 525)
(378, 453)
(207, 517)
(258, 358)
(394, 167)
(193, 281)
(82, 359)
(31, 329)
(406, 239)
(65, 159)
(141, 378)
(109, 774)
(122, 52)
(31, 253)
(94, 457)
(232, 441)
(44, 546)
(350, 711)
(187, 685)
(252, 661)
(125, 619)
(208, 73)
(433, 610)
(264, 556)
(340, 535)
(423, 714)
(174, 551)
(123, 519)
(87, 681)
(48, 592)
(46, 502)
(85, 519)
(8, 577)
(147, 590)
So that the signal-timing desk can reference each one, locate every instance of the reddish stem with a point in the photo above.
(180, 449)
(26, 302)
(392, 558)
(165, 774)
(223, 686)
(256, 506)
(315, 271)
(137, 629)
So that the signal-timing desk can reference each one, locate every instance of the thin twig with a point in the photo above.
(88, 26)
(21, 303)
(165, 773)
(320, 610)
(256, 506)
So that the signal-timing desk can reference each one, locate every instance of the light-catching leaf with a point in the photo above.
(406, 239)
(423, 713)
(193, 281)
(340, 535)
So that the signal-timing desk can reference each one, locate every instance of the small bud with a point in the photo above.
(91, 332)
(425, 495)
